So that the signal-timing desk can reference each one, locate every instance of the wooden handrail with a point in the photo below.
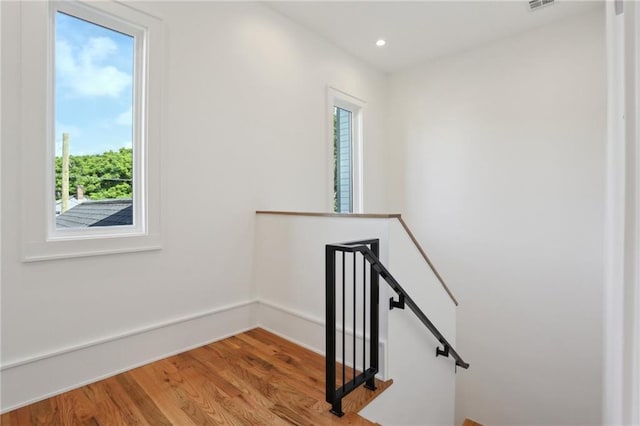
(426, 258)
(322, 214)
(398, 216)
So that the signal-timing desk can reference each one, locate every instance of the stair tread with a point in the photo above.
(356, 419)
(361, 397)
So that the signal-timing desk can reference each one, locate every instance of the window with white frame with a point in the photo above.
(346, 161)
(343, 154)
(100, 135)
(98, 92)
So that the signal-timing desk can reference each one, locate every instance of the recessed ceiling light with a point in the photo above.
(381, 42)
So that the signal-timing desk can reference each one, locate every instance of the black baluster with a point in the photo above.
(343, 316)
(354, 315)
(364, 314)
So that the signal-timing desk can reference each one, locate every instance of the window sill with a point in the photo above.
(65, 249)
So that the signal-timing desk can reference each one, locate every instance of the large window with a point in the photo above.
(91, 108)
(346, 161)
(95, 89)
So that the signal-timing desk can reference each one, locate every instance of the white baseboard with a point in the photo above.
(307, 331)
(41, 376)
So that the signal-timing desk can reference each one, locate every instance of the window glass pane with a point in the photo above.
(342, 141)
(94, 68)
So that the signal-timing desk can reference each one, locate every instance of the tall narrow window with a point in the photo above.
(94, 68)
(90, 150)
(97, 122)
(346, 114)
(343, 169)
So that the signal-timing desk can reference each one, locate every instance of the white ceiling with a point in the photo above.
(417, 31)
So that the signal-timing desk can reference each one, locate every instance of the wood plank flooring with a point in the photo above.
(254, 378)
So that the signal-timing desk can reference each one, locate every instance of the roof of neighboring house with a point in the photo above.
(97, 213)
(73, 201)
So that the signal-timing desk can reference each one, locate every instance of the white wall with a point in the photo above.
(245, 118)
(423, 391)
(503, 149)
(290, 275)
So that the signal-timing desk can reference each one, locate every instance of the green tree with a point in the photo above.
(102, 176)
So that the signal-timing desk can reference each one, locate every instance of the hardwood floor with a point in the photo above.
(254, 378)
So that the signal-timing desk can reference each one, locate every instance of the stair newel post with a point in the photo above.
(374, 312)
(330, 344)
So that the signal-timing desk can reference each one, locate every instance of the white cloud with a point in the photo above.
(85, 73)
(126, 118)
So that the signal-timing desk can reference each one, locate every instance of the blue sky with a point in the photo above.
(93, 79)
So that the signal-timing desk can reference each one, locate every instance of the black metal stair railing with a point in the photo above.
(368, 370)
(368, 251)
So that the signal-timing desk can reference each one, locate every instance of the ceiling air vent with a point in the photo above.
(537, 4)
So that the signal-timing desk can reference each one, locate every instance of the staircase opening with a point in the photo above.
(352, 318)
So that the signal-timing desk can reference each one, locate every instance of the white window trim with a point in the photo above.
(634, 337)
(339, 98)
(41, 239)
(621, 343)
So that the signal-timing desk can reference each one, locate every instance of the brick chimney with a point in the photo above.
(79, 193)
